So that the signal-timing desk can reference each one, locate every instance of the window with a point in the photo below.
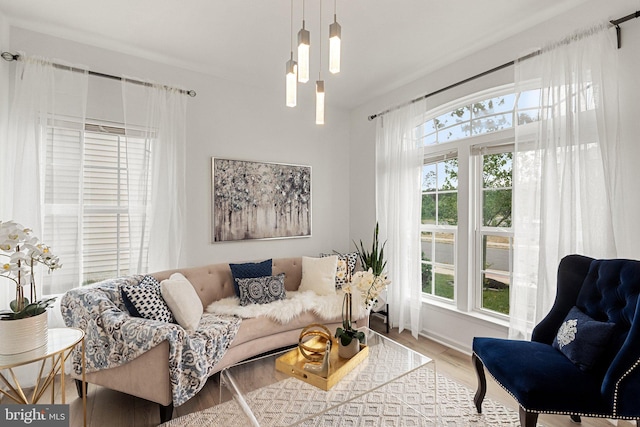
(439, 227)
(96, 194)
(494, 234)
(466, 235)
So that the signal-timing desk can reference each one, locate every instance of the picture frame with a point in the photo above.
(259, 200)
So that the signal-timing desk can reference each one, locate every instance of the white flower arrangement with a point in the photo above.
(368, 285)
(22, 252)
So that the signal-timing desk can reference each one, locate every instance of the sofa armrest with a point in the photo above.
(112, 336)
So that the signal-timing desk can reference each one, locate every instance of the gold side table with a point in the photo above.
(61, 342)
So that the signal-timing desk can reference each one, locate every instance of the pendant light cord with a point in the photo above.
(320, 44)
(291, 28)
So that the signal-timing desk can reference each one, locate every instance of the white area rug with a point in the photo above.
(407, 402)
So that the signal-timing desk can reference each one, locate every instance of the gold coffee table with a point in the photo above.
(61, 341)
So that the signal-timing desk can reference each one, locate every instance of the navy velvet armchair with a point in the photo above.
(584, 356)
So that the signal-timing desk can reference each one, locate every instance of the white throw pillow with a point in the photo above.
(319, 275)
(183, 301)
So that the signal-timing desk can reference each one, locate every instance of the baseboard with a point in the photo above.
(465, 349)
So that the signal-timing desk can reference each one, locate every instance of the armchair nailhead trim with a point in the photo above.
(615, 391)
(582, 414)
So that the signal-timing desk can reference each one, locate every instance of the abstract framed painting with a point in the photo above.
(257, 200)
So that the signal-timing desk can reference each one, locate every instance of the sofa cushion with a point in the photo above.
(250, 270)
(146, 300)
(346, 267)
(183, 301)
(582, 339)
(319, 275)
(261, 290)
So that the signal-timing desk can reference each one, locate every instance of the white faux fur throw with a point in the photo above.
(326, 307)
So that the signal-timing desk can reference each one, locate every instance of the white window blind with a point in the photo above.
(96, 195)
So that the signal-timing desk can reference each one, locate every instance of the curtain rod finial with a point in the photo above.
(8, 56)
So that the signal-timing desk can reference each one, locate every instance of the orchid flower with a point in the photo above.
(21, 252)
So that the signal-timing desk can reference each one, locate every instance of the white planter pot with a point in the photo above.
(20, 335)
(348, 351)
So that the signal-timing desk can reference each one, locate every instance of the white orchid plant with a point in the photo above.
(20, 253)
(369, 285)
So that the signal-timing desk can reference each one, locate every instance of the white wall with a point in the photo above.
(249, 122)
(448, 325)
(229, 120)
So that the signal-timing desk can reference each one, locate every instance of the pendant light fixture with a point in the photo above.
(304, 42)
(335, 33)
(320, 102)
(298, 71)
(320, 82)
(292, 72)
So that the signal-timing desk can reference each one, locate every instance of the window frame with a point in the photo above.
(468, 240)
(441, 228)
(503, 144)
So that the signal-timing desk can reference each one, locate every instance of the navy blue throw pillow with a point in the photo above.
(250, 270)
(582, 339)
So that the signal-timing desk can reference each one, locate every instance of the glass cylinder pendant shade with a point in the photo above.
(334, 46)
(292, 84)
(320, 102)
(304, 38)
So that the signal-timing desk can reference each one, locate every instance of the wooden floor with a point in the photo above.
(107, 408)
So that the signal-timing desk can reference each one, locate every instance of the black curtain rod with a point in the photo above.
(8, 56)
(616, 23)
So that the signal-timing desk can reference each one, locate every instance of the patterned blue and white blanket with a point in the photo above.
(113, 337)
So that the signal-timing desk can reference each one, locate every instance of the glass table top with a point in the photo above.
(270, 397)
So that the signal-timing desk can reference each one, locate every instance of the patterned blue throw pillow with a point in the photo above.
(261, 290)
(582, 339)
(250, 270)
(145, 300)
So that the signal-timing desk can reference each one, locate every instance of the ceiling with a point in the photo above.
(386, 43)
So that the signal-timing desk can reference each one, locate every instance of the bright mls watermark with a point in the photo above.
(34, 415)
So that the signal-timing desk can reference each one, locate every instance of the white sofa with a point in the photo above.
(148, 375)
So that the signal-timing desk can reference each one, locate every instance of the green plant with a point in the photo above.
(30, 309)
(346, 334)
(374, 259)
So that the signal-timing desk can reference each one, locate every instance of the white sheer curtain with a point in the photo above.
(565, 172)
(399, 157)
(156, 202)
(43, 95)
